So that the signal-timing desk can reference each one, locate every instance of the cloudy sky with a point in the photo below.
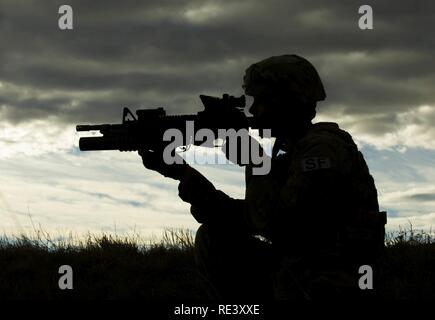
(380, 86)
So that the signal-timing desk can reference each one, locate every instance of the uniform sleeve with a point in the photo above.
(316, 177)
(309, 188)
(209, 205)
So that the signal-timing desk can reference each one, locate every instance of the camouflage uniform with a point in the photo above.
(317, 210)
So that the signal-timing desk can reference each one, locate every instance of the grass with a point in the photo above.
(105, 267)
(115, 267)
(409, 265)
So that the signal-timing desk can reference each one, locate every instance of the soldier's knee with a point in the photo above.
(201, 235)
(204, 250)
(210, 243)
(202, 240)
(206, 235)
(206, 238)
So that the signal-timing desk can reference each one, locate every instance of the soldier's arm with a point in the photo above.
(210, 205)
(313, 188)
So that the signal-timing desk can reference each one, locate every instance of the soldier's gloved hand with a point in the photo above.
(240, 154)
(154, 161)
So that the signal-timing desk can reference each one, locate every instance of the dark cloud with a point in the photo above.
(423, 197)
(144, 53)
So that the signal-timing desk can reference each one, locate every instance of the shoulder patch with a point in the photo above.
(315, 163)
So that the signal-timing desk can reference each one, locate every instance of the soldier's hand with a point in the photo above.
(154, 161)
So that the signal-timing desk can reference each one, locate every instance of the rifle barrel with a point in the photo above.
(98, 144)
(91, 127)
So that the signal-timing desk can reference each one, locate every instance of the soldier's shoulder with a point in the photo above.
(326, 145)
(327, 135)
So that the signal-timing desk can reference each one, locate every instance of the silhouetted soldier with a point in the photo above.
(316, 211)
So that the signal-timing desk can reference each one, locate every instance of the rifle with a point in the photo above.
(146, 130)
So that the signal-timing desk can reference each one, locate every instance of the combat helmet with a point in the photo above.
(285, 76)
